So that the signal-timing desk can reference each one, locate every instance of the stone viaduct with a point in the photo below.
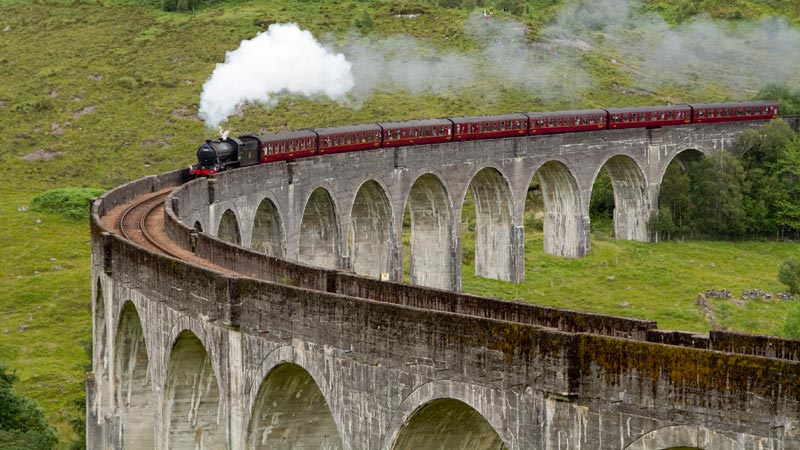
(314, 344)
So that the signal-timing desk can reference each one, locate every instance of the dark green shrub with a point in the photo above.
(22, 423)
(72, 203)
(789, 274)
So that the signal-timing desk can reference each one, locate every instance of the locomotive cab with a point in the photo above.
(221, 154)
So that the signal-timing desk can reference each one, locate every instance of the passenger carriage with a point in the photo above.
(649, 116)
(567, 121)
(417, 132)
(288, 145)
(489, 127)
(349, 138)
(728, 112)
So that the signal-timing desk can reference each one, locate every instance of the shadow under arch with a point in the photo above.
(564, 228)
(447, 424)
(319, 231)
(100, 348)
(631, 198)
(192, 397)
(229, 228)
(370, 236)
(134, 395)
(291, 412)
(268, 234)
(431, 260)
(493, 202)
(684, 437)
(688, 154)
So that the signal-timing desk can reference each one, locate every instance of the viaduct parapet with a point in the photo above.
(290, 355)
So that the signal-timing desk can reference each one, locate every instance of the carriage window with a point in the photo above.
(503, 125)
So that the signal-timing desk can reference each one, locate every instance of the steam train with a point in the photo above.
(221, 154)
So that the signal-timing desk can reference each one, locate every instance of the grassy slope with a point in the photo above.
(112, 92)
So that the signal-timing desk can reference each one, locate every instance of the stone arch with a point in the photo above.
(198, 226)
(370, 236)
(447, 424)
(291, 412)
(631, 200)
(684, 436)
(228, 229)
(469, 395)
(565, 227)
(192, 397)
(268, 234)
(319, 231)
(493, 202)
(432, 249)
(134, 396)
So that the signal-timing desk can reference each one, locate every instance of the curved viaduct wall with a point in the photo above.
(346, 211)
(290, 356)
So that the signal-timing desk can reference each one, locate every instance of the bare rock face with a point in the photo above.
(39, 154)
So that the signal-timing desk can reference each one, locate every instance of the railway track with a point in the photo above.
(138, 220)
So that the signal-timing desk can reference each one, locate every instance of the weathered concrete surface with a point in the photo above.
(346, 211)
(230, 362)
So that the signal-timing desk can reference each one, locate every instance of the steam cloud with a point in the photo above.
(699, 54)
(281, 59)
(733, 59)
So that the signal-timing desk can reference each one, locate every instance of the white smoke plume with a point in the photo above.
(281, 59)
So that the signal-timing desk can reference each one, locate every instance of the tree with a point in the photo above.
(759, 151)
(789, 100)
(789, 274)
(601, 205)
(716, 192)
(22, 422)
(788, 180)
(674, 201)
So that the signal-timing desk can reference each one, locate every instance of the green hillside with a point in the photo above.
(93, 94)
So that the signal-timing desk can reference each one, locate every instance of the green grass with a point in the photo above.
(95, 94)
(652, 281)
(45, 320)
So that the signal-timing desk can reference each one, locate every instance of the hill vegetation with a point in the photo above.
(94, 94)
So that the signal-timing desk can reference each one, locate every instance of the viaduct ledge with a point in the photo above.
(288, 355)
